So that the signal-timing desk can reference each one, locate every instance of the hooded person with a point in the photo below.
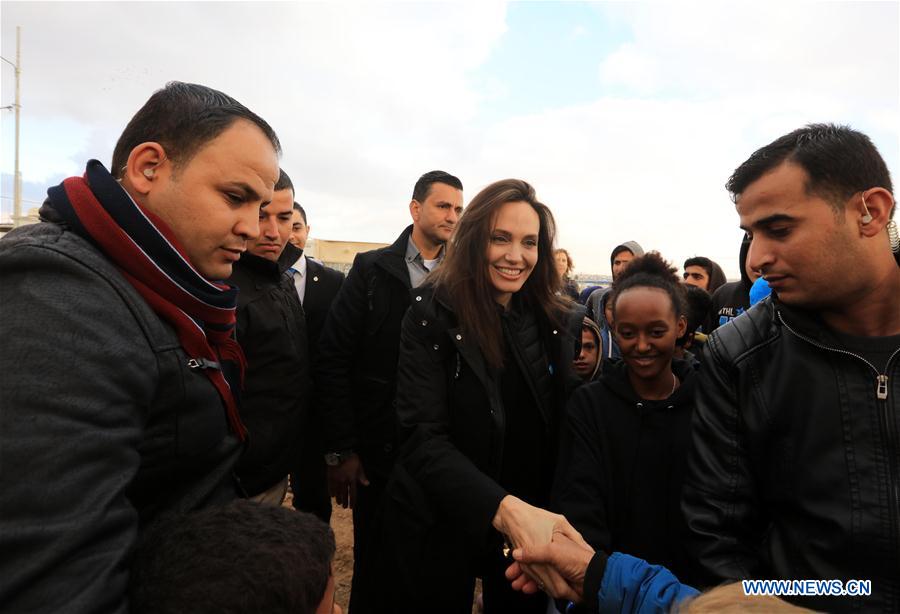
(714, 275)
(608, 348)
(585, 294)
(732, 299)
(587, 363)
(596, 302)
(618, 261)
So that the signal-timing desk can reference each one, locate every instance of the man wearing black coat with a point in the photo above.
(317, 286)
(795, 467)
(272, 332)
(358, 352)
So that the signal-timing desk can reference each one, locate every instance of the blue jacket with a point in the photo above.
(629, 584)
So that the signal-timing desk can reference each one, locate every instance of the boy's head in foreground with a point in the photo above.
(239, 558)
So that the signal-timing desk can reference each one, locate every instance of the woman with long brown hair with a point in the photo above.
(484, 372)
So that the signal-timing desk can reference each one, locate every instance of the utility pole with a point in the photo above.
(17, 185)
(17, 178)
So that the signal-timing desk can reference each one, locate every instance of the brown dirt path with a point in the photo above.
(342, 525)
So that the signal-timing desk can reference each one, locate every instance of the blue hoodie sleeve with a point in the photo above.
(633, 585)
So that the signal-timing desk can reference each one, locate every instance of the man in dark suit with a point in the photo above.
(271, 329)
(356, 366)
(316, 285)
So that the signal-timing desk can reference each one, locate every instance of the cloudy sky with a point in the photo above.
(626, 117)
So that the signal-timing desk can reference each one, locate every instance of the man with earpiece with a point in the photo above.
(120, 368)
(795, 469)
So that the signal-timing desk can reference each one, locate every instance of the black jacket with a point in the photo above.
(103, 425)
(444, 490)
(358, 349)
(795, 467)
(322, 286)
(272, 332)
(621, 466)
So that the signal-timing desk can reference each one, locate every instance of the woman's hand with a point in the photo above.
(563, 555)
(528, 527)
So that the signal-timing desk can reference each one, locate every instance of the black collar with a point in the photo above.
(393, 258)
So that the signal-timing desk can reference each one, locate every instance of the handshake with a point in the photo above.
(549, 554)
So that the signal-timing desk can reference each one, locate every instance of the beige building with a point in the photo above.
(338, 254)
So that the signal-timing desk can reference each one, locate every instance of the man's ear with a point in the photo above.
(414, 209)
(144, 166)
(877, 203)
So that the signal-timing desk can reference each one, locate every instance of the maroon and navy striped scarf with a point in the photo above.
(145, 250)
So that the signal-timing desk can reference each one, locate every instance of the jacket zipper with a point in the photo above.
(881, 392)
(881, 379)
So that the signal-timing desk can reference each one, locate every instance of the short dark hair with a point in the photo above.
(619, 249)
(651, 271)
(182, 117)
(237, 558)
(302, 211)
(713, 271)
(840, 162)
(284, 182)
(423, 185)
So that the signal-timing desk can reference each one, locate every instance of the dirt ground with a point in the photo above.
(342, 525)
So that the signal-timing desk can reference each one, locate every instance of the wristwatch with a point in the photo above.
(333, 459)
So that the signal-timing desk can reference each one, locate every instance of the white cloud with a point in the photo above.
(629, 67)
(578, 32)
(845, 49)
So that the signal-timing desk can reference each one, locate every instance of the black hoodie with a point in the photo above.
(621, 466)
(733, 298)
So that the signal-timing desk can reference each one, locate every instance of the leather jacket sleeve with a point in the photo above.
(451, 480)
(78, 376)
(719, 499)
(338, 345)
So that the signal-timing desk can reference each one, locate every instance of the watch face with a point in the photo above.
(333, 459)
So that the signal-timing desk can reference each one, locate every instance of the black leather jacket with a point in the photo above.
(795, 468)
